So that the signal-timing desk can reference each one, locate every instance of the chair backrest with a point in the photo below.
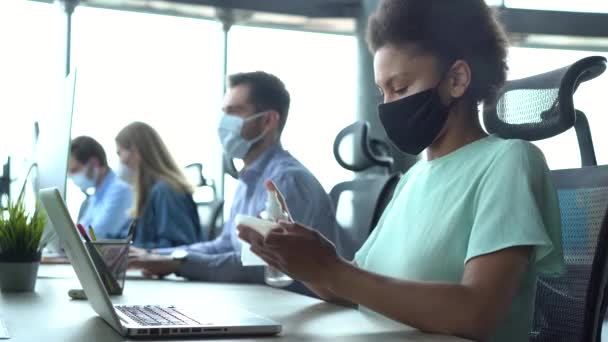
(569, 307)
(208, 205)
(210, 214)
(360, 202)
(542, 106)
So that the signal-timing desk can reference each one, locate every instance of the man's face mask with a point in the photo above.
(414, 122)
(83, 181)
(229, 130)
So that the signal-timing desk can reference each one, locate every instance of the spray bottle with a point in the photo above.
(274, 213)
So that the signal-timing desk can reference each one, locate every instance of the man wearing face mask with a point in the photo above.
(108, 197)
(255, 112)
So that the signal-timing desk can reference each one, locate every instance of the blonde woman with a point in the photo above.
(165, 212)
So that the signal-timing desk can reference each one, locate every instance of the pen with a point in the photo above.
(92, 233)
(83, 232)
(131, 230)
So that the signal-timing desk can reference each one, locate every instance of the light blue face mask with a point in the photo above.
(229, 130)
(83, 181)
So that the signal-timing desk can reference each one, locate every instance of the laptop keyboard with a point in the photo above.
(153, 315)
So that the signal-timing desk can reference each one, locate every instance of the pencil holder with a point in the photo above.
(110, 258)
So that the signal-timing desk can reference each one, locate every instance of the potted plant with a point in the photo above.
(20, 246)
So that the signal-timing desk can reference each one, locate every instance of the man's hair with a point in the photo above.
(266, 92)
(84, 148)
(449, 30)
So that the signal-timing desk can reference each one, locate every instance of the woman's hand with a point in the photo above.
(300, 252)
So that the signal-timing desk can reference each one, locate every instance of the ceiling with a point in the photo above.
(336, 16)
(339, 16)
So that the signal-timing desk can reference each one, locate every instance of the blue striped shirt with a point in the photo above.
(309, 204)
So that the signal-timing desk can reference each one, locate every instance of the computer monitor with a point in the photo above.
(52, 148)
(5, 183)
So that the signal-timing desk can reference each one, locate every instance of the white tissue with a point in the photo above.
(248, 258)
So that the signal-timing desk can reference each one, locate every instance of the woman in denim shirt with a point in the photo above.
(164, 209)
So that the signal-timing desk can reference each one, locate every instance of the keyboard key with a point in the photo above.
(156, 315)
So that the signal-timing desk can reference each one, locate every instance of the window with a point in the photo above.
(562, 151)
(163, 70)
(319, 71)
(590, 6)
(31, 66)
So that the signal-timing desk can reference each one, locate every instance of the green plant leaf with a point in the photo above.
(21, 233)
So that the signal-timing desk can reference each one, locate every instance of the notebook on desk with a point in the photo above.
(146, 320)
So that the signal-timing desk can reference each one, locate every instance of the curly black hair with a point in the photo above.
(449, 30)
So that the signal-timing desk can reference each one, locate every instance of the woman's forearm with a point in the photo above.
(434, 307)
(327, 295)
(323, 292)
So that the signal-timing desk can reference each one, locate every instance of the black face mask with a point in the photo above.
(414, 122)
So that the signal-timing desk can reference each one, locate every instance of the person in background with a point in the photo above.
(108, 197)
(459, 248)
(165, 213)
(254, 115)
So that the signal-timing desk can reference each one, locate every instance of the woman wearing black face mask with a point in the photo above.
(459, 248)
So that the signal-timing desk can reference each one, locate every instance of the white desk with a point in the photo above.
(49, 315)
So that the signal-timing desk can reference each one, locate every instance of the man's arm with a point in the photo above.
(224, 267)
(221, 267)
(220, 244)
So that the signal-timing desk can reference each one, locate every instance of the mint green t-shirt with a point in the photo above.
(486, 196)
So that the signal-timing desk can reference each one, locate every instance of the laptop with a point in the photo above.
(143, 321)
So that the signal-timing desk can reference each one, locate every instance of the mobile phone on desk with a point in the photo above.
(77, 294)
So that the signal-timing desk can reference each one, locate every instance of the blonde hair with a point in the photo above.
(155, 163)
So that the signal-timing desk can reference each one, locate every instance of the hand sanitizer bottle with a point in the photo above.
(274, 212)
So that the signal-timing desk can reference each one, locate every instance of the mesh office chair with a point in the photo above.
(208, 205)
(360, 202)
(570, 307)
